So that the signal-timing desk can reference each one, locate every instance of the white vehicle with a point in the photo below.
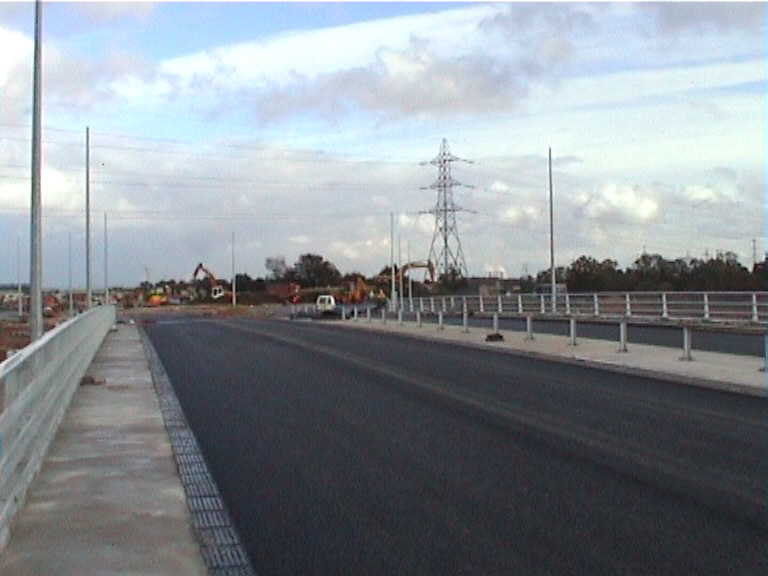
(325, 304)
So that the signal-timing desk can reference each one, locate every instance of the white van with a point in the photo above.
(325, 304)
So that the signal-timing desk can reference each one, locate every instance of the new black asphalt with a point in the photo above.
(343, 452)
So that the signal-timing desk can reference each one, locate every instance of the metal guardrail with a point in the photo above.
(734, 307)
(36, 387)
(731, 307)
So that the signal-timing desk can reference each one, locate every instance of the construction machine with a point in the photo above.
(217, 290)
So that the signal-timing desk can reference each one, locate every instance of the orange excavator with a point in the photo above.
(217, 290)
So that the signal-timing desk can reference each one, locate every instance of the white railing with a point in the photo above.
(36, 386)
(734, 307)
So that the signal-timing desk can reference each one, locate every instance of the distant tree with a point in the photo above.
(586, 274)
(722, 273)
(278, 269)
(312, 270)
(247, 284)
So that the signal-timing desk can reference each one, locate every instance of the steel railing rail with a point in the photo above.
(745, 308)
(36, 387)
(732, 307)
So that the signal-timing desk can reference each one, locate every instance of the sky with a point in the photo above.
(301, 128)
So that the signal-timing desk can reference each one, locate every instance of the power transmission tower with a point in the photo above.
(448, 258)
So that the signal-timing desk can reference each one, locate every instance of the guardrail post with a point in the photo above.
(573, 331)
(343, 313)
(755, 317)
(383, 315)
(400, 316)
(629, 305)
(368, 313)
(765, 353)
(568, 304)
(465, 318)
(543, 309)
(686, 343)
(418, 318)
(623, 336)
(529, 327)
(519, 303)
(706, 306)
(664, 306)
(355, 312)
(482, 304)
(440, 325)
(495, 322)
(596, 302)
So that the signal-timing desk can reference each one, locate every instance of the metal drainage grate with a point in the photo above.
(220, 545)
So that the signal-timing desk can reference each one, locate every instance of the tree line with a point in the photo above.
(654, 273)
(648, 273)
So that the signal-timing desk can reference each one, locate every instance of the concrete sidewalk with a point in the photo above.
(108, 499)
(741, 374)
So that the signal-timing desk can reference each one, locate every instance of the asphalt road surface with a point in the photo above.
(345, 452)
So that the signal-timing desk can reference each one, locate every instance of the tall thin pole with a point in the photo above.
(552, 237)
(106, 261)
(410, 279)
(88, 295)
(18, 275)
(69, 271)
(234, 277)
(392, 258)
(400, 269)
(36, 256)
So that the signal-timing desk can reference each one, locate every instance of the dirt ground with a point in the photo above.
(14, 333)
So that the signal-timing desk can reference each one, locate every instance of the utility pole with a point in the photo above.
(754, 253)
(234, 276)
(18, 275)
(36, 242)
(88, 295)
(400, 269)
(552, 237)
(69, 272)
(106, 262)
(393, 293)
(410, 278)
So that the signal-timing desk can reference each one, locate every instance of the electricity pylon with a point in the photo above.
(445, 251)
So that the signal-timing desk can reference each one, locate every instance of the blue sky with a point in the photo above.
(301, 127)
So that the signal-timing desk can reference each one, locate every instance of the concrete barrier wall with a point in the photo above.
(36, 387)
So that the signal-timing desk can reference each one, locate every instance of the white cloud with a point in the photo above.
(620, 200)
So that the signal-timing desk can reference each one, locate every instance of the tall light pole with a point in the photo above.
(393, 297)
(552, 237)
(36, 241)
(69, 274)
(88, 295)
(18, 275)
(106, 261)
(400, 270)
(234, 277)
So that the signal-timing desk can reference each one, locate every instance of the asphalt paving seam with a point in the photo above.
(220, 544)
